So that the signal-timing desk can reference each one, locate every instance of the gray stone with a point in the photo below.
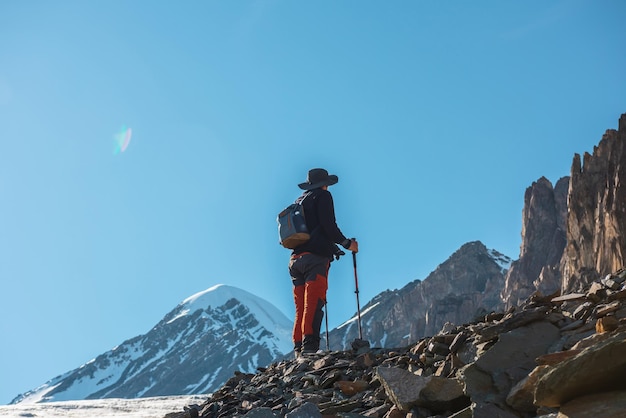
(603, 310)
(261, 413)
(458, 342)
(443, 394)
(478, 384)
(513, 356)
(573, 325)
(306, 410)
(401, 386)
(515, 321)
(407, 390)
(468, 352)
(610, 283)
(583, 311)
(438, 348)
(487, 410)
(569, 296)
(522, 396)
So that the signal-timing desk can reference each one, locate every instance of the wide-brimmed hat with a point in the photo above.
(318, 177)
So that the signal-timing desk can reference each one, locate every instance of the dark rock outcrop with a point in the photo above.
(596, 223)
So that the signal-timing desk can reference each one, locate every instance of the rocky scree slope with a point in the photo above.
(552, 356)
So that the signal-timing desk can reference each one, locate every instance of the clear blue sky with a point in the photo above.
(436, 116)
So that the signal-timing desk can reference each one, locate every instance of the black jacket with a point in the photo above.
(319, 212)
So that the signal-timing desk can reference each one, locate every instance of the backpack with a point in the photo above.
(292, 230)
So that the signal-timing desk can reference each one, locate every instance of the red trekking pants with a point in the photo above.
(309, 275)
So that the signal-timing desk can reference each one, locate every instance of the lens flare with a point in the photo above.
(122, 139)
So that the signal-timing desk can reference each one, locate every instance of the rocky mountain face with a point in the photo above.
(549, 357)
(465, 286)
(573, 234)
(596, 223)
(543, 239)
(195, 348)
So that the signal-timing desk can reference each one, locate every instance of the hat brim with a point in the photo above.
(329, 181)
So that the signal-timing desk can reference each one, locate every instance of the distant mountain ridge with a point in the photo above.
(194, 349)
(464, 286)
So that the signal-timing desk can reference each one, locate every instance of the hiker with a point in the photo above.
(309, 262)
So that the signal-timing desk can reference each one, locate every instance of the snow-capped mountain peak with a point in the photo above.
(194, 349)
(266, 313)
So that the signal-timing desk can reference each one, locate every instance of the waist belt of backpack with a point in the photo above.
(296, 256)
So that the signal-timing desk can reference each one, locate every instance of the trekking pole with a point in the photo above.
(326, 309)
(358, 305)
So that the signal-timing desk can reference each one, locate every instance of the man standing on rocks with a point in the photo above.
(309, 263)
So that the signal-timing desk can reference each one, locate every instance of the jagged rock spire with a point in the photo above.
(596, 223)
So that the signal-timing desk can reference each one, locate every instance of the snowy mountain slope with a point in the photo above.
(194, 349)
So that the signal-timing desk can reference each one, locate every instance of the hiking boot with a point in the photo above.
(312, 353)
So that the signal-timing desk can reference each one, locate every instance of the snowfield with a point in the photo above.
(104, 408)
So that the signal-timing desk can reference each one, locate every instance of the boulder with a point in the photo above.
(513, 356)
(522, 396)
(598, 368)
(407, 390)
